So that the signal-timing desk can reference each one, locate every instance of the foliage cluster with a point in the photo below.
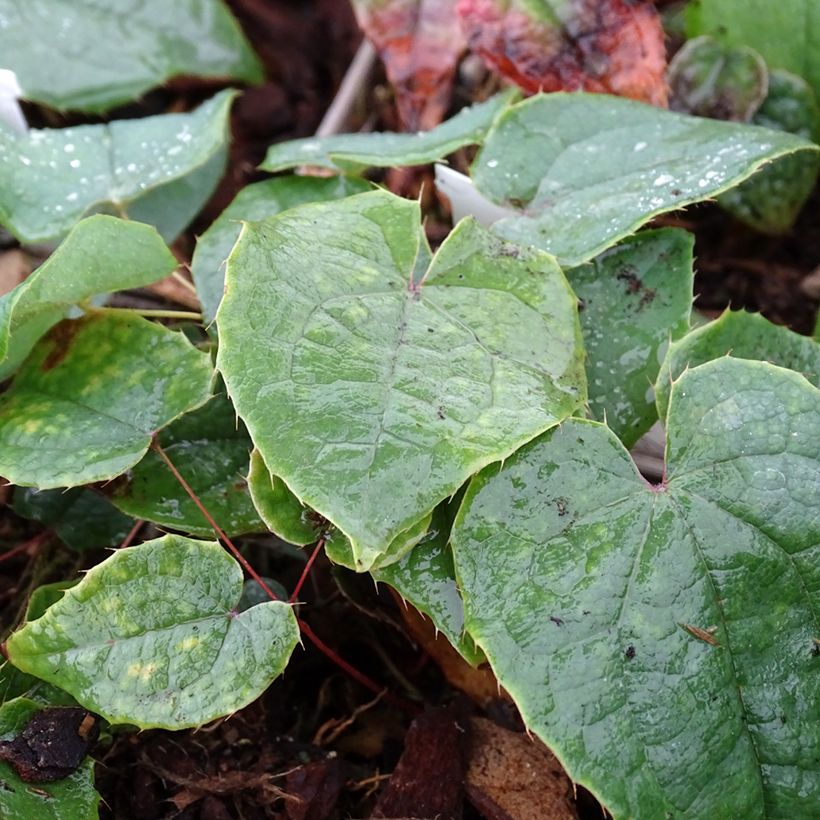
(454, 422)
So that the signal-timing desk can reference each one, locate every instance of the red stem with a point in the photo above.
(32, 543)
(132, 534)
(306, 571)
(217, 529)
(329, 653)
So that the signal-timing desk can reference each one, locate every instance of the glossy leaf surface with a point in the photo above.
(608, 46)
(286, 516)
(212, 452)
(283, 513)
(744, 336)
(81, 518)
(73, 798)
(420, 43)
(772, 199)
(634, 298)
(392, 380)
(786, 33)
(587, 170)
(52, 178)
(151, 637)
(426, 578)
(91, 57)
(662, 640)
(355, 152)
(85, 404)
(252, 203)
(101, 254)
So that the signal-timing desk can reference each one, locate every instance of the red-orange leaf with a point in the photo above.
(420, 42)
(610, 46)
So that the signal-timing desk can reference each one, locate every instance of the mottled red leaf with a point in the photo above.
(609, 46)
(420, 42)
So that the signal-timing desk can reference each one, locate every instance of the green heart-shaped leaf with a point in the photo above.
(86, 403)
(253, 203)
(744, 336)
(101, 254)
(52, 178)
(391, 380)
(634, 297)
(662, 640)
(91, 57)
(72, 798)
(152, 637)
(589, 169)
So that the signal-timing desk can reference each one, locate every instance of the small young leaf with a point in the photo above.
(785, 32)
(283, 513)
(634, 298)
(81, 518)
(420, 43)
(588, 170)
(91, 57)
(286, 516)
(588, 588)
(253, 203)
(426, 578)
(50, 179)
(772, 199)
(101, 254)
(86, 402)
(211, 451)
(151, 637)
(392, 384)
(741, 335)
(610, 46)
(710, 79)
(356, 152)
(73, 798)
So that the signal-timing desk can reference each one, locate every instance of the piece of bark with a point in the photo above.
(511, 776)
(314, 789)
(428, 780)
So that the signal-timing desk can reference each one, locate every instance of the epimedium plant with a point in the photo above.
(456, 421)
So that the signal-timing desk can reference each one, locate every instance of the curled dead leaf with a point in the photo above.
(607, 46)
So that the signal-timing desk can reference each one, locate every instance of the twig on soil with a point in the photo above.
(338, 114)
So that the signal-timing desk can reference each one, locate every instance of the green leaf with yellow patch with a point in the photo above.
(86, 403)
(152, 637)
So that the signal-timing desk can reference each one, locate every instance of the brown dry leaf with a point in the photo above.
(314, 789)
(480, 685)
(607, 46)
(511, 776)
(15, 266)
(420, 43)
(428, 780)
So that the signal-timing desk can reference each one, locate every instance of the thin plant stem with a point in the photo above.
(156, 314)
(26, 546)
(132, 534)
(155, 445)
(306, 571)
(329, 653)
(183, 281)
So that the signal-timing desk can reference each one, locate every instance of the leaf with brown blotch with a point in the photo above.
(420, 42)
(607, 46)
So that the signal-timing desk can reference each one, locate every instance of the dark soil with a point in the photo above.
(318, 745)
